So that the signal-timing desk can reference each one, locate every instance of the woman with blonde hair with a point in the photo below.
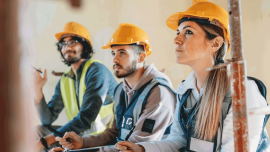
(203, 113)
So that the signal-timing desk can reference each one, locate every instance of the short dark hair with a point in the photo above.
(87, 51)
(137, 48)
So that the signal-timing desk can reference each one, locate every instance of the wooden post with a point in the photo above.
(15, 129)
(4, 76)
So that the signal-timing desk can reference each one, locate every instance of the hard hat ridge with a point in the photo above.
(197, 1)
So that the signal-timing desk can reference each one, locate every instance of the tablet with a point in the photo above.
(91, 149)
(201, 145)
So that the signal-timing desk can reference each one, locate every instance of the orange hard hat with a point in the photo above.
(204, 9)
(127, 33)
(73, 28)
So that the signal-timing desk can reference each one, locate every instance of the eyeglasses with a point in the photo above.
(70, 43)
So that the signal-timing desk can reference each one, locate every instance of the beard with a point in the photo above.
(127, 71)
(71, 60)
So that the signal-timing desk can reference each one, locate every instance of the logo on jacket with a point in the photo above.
(127, 123)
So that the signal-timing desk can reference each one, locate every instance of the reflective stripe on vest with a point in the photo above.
(138, 106)
(70, 101)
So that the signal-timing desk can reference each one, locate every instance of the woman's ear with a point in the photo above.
(216, 43)
(142, 57)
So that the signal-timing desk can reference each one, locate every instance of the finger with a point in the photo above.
(126, 143)
(68, 146)
(57, 149)
(64, 142)
(60, 139)
(126, 151)
(120, 147)
(35, 72)
(70, 134)
(71, 147)
(45, 74)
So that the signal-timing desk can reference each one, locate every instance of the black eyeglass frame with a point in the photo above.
(61, 44)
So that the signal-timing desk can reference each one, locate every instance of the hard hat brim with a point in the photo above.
(106, 47)
(59, 35)
(109, 46)
(172, 21)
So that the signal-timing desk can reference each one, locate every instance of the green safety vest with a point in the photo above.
(70, 101)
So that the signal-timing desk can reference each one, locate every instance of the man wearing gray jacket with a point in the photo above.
(144, 102)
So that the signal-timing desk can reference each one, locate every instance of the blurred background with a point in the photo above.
(32, 25)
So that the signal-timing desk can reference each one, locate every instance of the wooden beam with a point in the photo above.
(76, 3)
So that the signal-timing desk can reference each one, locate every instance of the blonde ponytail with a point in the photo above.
(216, 87)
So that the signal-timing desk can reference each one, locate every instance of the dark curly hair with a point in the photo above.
(87, 51)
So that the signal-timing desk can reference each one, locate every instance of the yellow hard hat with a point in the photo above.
(204, 9)
(74, 28)
(127, 33)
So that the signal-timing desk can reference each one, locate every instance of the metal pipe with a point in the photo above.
(259, 111)
(238, 79)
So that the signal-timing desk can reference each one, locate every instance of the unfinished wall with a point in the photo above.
(102, 17)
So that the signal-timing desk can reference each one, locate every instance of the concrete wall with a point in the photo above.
(102, 17)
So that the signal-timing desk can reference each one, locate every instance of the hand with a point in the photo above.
(57, 149)
(38, 83)
(125, 146)
(76, 141)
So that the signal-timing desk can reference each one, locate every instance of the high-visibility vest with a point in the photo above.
(71, 106)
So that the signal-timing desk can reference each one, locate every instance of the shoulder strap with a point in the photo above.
(260, 85)
(145, 93)
(117, 93)
(226, 105)
(139, 104)
(165, 83)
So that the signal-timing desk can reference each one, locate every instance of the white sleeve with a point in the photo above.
(173, 142)
(160, 107)
(255, 123)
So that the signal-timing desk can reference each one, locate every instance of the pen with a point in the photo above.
(57, 133)
(131, 131)
(37, 70)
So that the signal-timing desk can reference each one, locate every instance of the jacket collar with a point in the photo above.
(190, 83)
(71, 74)
(140, 83)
